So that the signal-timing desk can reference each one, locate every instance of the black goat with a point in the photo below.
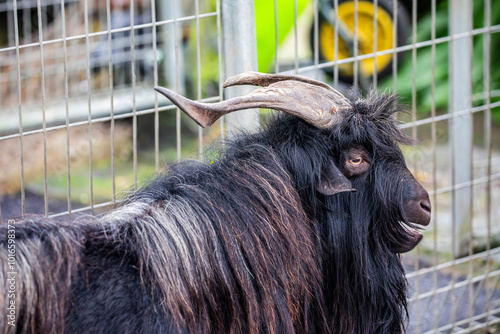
(270, 238)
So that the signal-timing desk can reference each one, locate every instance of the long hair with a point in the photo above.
(226, 245)
(222, 247)
(245, 244)
(365, 288)
(36, 273)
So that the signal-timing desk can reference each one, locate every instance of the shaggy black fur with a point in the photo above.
(244, 245)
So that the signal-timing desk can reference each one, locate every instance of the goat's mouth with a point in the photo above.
(412, 238)
(417, 215)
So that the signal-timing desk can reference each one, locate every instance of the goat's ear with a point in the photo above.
(332, 181)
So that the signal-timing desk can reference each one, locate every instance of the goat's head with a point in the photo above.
(359, 150)
(367, 145)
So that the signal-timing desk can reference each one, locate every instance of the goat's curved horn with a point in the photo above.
(264, 80)
(303, 97)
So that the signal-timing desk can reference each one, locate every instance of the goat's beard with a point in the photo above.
(366, 287)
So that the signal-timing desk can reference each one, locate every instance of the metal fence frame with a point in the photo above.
(236, 51)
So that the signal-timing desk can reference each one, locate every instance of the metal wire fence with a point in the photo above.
(80, 122)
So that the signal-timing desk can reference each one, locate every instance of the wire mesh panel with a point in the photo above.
(80, 123)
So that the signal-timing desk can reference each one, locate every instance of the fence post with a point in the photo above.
(461, 125)
(172, 49)
(240, 55)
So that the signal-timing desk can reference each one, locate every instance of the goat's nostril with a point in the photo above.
(426, 205)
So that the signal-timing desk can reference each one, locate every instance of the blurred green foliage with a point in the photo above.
(422, 75)
(266, 28)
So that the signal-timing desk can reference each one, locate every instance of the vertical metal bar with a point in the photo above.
(155, 81)
(26, 23)
(461, 127)
(44, 17)
(315, 42)
(102, 14)
(296, 35)
(20, 105)
(198, 74)
(134, 106)
(434, 165)
(90, 9)
(414, 136)
(10, 23)
(240, 55)
(355, 46)
(221, 76)
(276, 62)
(471, 187)
(112, 109)
(44, 123)
(395, 44)
(89, 103)
(414, 73)
(168, 10)
(177, 80)
(489, 146)
(66, 105)
(451, 142)
(414, 70)
(375, 21)
(336, 45)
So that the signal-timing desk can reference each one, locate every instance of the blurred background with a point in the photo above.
(81, 126)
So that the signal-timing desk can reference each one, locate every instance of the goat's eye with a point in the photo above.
(356, 161)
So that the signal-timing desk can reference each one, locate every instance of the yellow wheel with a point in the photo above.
(367, 39)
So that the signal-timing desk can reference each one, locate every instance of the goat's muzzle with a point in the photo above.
(416, 213)
(418, 208)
